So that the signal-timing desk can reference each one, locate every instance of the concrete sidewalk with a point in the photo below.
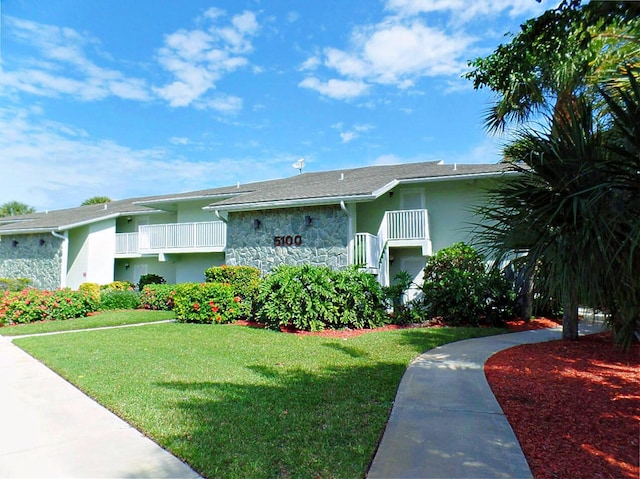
(48, 429)
(446, 422)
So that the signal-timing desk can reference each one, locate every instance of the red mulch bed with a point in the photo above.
(574, 406)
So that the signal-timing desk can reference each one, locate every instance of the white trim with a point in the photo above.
(65, 256)
(322, 201)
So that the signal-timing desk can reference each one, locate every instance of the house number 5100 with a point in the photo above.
(287, 240)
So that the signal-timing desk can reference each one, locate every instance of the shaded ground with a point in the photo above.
(574, 406)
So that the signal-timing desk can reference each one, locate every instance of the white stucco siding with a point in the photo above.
(91, 256)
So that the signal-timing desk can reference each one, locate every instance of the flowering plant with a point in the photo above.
(207, 303)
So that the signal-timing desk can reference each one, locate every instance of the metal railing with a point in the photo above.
(127, 243)
(366, 250)
(407, 225)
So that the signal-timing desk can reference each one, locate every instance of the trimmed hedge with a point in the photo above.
(32, 305)
(245, 281)
(111, 299)
(207, 303)
(312, 298)
(158, 297)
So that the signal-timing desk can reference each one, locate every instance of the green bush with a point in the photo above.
(31, 305)
(245, 281)
(150, 278)
(119, 285)
(313, 298)
(158, 297)
(111, 299)
(14, 284)
(206, 303)
(458, 288)
(93, 289)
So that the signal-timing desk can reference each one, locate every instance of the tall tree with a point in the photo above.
(558, 64)
(96, 200)
(14, 208)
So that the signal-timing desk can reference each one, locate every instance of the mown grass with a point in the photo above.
(103, 319)
(238, 402)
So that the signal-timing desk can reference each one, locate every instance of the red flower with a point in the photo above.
(196, 306)
(237, 299)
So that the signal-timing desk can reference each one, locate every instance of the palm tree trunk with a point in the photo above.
(570, 316)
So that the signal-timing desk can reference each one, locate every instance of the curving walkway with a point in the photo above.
(446, 422)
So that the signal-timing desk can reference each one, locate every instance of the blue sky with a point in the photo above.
(125, 98)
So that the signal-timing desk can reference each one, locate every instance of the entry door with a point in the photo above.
(414, 265)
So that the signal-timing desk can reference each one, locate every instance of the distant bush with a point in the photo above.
(150, 278)
(111, 299)
(119, 285)
(313, 298)
(245, 281)
(35, 305)
(158, 297)
(14, 284)
(206, 303)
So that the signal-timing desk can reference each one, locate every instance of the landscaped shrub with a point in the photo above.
(93, 289)
(150, 278)
(14, 284)
(245, 280)
(111, 299)
(158, 297)
(119, 285)
(313, 298)
(403, 313)
(35, 305)
(206, 303)
(458, 289)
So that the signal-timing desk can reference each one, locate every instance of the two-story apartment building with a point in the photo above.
(383, 218)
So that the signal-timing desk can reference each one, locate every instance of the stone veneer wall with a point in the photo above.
(324, 242)
(41, 263)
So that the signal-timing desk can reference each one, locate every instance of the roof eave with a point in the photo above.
(270, 205)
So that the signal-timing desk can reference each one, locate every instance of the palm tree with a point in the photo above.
(574, 209)
(14, 208)
(96, 200)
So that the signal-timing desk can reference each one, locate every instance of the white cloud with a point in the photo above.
(179, 140)
(198, 58)
(348, 136)
(62, 67)
(463, 10)
(310, 63)
(334, 88)
(77, 166)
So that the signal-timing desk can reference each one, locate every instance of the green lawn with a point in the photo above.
(239, 402)
(105, 318)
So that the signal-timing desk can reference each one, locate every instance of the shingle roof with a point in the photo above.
(355, 184)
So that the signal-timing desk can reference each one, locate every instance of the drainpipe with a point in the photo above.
(65, 256)
(219, 216)
(350, 232)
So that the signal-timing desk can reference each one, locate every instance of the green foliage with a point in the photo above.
(15, 208)
(245, 280)
(458, 289)
(403, 312)
(96, 200)
(207, 303)
(150, 278)
(93, 289)
(158, 297)
(119, 285)
(35, 305)
(111, 299)
(14, 284)
(312, 298)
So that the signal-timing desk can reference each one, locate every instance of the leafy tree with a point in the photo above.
(96, 200)
(14, 208)
(573, 210)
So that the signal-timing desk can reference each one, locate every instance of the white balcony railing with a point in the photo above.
(366, 250)
(127, 243)
(174, 238)
(407, 225)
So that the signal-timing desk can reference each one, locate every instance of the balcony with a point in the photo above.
(202, 237)
(404, 228)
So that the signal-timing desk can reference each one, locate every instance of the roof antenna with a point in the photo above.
(299, 165)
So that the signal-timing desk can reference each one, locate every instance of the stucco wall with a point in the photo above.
(324, 242)
(91, 252)
(37, 257)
